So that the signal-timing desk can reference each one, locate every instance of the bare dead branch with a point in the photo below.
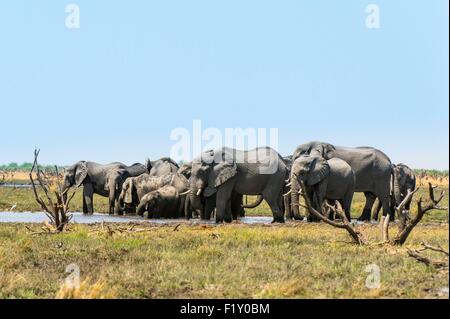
(438, 249)
(438, 264)
(409, 225)
(55, 211)
(384, 224)
(345, 224)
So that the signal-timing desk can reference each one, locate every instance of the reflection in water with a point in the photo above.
(39, 217)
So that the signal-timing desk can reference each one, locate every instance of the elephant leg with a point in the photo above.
(287, 207)
(180, 209)
(310, 194)
(223, 198)
(236, 206)
(117, 209)
(208, 207)
(229, 214)
(131, 210)
(370, 199)
(274, 201)
(385, 203)
(347, 205)
(85, 210)
(315, 202)
(88, 194)
(320, 198)
(187, 208)
(241, 211)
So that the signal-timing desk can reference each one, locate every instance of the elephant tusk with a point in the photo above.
(199, 192)
(185, 193)
(288, 193)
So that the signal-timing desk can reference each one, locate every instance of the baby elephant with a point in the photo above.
(135, 188)
(165, 202)
(331, 180)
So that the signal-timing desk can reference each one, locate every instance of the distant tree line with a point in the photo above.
(430, 173)
(25, 167)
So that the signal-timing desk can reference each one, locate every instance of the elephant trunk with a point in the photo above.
(121, 200)
(255, 204)
(295, 188)
(112, 196)
(121, 203)
(396, 189)
(196, 203)
(141, 208)
(64, 188)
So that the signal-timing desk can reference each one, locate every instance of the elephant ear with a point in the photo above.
(325, 150)
(219, 174)
(319, 171)
(223, 171)
(80, 173)
(129, 191)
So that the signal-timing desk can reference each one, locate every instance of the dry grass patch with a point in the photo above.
(230, 261)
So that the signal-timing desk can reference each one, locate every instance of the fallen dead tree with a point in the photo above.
(55, 208)
(438, 264)
(406, 223)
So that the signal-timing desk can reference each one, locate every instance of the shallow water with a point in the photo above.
(40, 217)
(16, 185)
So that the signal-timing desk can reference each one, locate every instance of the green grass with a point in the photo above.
(295, 260)
(24, 200)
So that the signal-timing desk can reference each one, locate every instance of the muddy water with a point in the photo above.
(39, 217)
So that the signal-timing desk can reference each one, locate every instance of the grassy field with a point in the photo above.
(24, 201)
(296, 260)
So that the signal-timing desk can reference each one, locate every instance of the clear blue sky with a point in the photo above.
(115, 88)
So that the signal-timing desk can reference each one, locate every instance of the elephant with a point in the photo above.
(185, 170)
(165, 202)
(372, 169)
(260, 171)
(162, 167)
(134, 188)
(203, 207)
(403, 181)
(114, 181)
(330, 180)
(287, 203)
(93, 177)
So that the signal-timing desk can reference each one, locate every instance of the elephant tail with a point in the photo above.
(255, 204)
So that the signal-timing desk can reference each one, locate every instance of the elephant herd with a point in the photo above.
(217, 180)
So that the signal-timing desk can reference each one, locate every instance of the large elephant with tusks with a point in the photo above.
(372, 169)
(221, 172)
